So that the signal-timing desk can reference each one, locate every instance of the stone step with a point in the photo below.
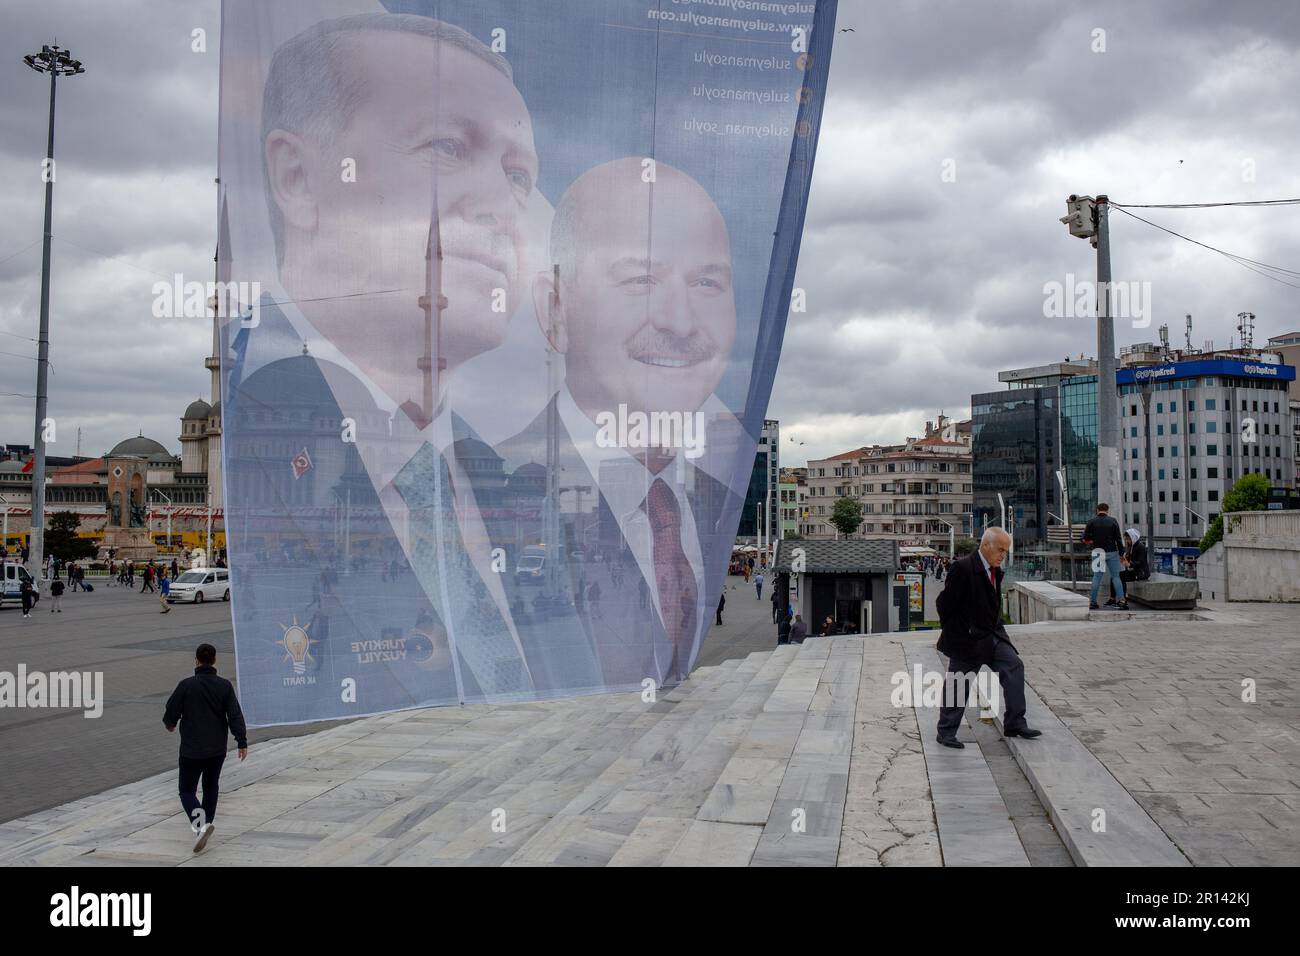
(666, 775)
(747, 785)
(72, 830)
(888, 813)
(740, 791)
(519, 784)
(975, 827)
(1074, 786)
(804, 825)
(669, 832)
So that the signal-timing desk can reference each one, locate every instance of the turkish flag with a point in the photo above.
(301, 464)
(31, 462)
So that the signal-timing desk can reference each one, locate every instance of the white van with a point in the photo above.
(12, 575)
(201, 584)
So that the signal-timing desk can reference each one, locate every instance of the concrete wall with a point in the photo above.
(1262, 556)
(1210, 574)
(1028, 602)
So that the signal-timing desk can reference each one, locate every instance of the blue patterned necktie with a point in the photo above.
(479, 634)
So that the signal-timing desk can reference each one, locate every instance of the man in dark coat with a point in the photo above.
(1103, 535)
(207, 710)
(970, 610)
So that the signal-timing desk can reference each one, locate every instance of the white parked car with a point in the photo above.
(201, 584)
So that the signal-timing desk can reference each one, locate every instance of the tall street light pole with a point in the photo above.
(57, 62)
(1088, 218)
(1107, 389)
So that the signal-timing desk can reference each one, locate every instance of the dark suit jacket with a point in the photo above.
(286, 537)
(970, 610)
(613, 643)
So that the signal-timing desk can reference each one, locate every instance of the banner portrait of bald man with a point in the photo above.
(490, 418)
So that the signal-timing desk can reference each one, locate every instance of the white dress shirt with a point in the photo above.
(626, 493)
(384, 456)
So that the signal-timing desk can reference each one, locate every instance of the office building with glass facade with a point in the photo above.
(1021, 436)
(764, 493)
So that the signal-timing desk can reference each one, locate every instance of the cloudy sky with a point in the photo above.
(920, 285)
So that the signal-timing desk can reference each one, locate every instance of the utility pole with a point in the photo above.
(1088, 218)
(57, 62)
(1107, 389)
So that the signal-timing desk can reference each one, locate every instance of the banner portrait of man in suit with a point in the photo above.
(489, 423)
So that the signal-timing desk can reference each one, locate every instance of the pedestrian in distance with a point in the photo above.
(798, 630)
(164, 589)
(758, 584)
(722, 602)
(776, 606)
(207, 710)
(973, 636)
(28, 594)
(783, 631)
(56, 596)
(1103, 535)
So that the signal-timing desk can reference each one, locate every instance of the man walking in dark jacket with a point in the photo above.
(970, 610)
(1103, 535)
(207, 709)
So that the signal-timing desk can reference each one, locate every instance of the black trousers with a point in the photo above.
(209, 770)
(1011, 674)
(719, 616)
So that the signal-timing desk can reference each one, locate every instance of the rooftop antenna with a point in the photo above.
(1164, 338)
(1246, 326)
(1189, 332)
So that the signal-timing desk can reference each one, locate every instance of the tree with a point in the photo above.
(847, 515)
(1250, 493)
(964, 546)
(61, 538)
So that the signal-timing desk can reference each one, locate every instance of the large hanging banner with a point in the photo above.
(505, 286)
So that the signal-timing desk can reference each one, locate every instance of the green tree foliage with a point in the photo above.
(61, 538)
(847, 515)
(1250, 493)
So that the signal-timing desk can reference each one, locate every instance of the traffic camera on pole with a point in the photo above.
(1081, 217)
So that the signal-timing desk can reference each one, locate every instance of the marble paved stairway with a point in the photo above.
(793, 756)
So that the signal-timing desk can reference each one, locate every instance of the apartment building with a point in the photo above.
(914, 494)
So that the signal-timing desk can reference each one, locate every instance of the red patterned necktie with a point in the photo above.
(673, 574)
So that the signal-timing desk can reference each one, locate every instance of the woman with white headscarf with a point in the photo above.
(1137, 565)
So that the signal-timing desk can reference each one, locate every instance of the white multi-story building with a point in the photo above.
(1191, 425)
